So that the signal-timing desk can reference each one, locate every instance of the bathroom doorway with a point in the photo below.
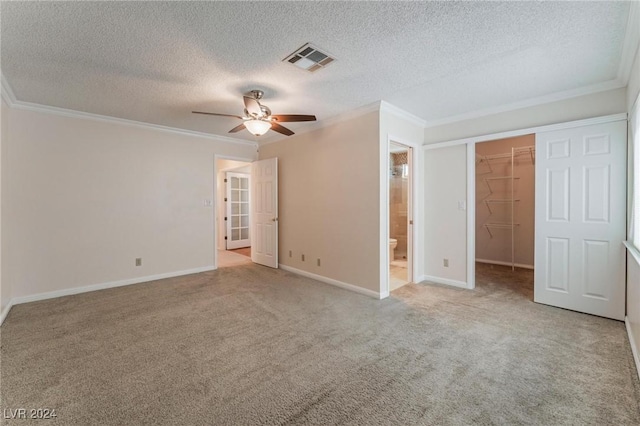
(400, 220)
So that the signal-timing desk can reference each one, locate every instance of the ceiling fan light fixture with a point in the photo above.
(257, 127)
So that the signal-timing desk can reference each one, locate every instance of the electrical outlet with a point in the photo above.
(318, 261)
(138, 261)
(290, 253)
(303, 257)
(445, 262)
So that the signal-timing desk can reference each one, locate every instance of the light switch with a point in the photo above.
(462, 205)
(208, 203)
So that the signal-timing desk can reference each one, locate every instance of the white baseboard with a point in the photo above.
(445, 281)
(634, 348)
(420, 278)
(102, 286)
(497, 262)
(336, 283)
(5, 311)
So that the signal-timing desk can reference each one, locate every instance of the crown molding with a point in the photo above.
(631, 43)
(339, 118)
(529, 130)
(399, 112)
(9, 97)
(541, 100)
(7, 92)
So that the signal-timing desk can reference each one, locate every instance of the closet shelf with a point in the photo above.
(498, 201)
(510, 179)
(501, 177)
(531, 150)
(499, 225)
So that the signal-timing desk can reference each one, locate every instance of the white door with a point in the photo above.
(237, 217)
(264, 212)
(580, 219)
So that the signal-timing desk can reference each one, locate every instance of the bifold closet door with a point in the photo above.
(580, 219)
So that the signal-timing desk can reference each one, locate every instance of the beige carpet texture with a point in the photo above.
(250, 345)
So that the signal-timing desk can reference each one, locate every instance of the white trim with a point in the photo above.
(631, 249)
(631, 43)
(529, 130)
(338, 118)
(384, 267)
(5, 312)
(28, 106)
(420, 279)
(102, 286)
(399, 112)
(498, 262)
(540, 100)
(7, 91)
(471, 215)
(333, 282)
(632, 342)
(445, 281)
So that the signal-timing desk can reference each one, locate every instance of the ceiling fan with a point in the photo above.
(258, 118)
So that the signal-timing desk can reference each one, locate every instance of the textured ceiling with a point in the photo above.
(157, 61)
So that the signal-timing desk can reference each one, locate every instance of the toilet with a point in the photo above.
(392, 247)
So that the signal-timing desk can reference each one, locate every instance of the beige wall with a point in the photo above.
(498, 247)
(445, 184)
(329, 199)
(5, 290)
(401, 130)
(594, 105)
(88, 197)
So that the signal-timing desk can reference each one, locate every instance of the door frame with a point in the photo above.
(471, 172)
(413, 248)
(214, 213)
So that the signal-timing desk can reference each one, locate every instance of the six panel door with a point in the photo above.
(580, 219)
(264, 212)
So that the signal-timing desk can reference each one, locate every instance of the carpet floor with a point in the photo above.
(252, 345)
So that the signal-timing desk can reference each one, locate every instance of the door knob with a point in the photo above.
(275, 219)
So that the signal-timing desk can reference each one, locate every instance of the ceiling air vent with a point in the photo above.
(309, 58)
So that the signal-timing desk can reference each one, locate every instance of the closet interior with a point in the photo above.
(505, 196)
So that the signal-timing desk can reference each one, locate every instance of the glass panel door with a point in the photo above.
(237, 210)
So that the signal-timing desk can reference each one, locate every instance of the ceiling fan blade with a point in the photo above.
(252, 106)
(215, 113)
(280, 129)
(237, 128)
(293, 117)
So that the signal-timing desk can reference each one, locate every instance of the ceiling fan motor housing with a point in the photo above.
(257, 94)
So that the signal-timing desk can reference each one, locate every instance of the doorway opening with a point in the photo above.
(233, 212)
(400, 208)
(505, 215)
